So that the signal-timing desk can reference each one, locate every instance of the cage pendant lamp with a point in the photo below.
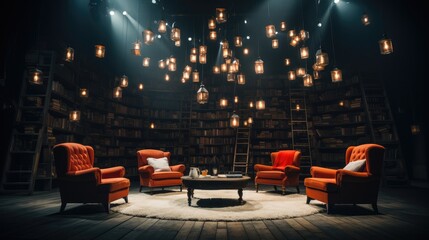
(100, 51)
(203, 49)
(260, 104)
(238, 41)
(83, 93)
(36, 77)
(275, 43)
(386, 45)
(300, 72)
(74, 116)
(304, 52)
(308, 80)
(136, 50)
(283, 26)
(141, 86)
(203, 58)
(224, 44)
(291, 75)
(162, 26)
(316, 75)
(223, 67)
(195, 76)
(175, 34)
(213, 35)
(221, 15)
(234, 121)
(146, 62)
(124, 81)
(365, 19)
(259, 66)
(202, 95)
(69, 54)
(117, 93)
(223, 102)
(216, 70)
(167, 77)
(230, 77)
(148, 37)
(212, 24)
(270, 31)
(322, 58)
(161, 64)
(287, 61)
(336, 75)
(241, 79)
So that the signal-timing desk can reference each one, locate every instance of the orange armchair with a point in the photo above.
(348, 186)
(81, 182)
(153, 179)
(283, 172)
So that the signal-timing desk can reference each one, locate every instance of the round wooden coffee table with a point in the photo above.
(215, 183)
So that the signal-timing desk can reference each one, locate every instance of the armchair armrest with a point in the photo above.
(178, 168)
(292, 169)
(321, 172)
(146, 169)
(262, 167)
(353, 177)
(87, 175)
(113, 172)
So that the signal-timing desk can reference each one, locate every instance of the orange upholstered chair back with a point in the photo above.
(373, 153)
(294, 154)
(72, 157)
(142, 155)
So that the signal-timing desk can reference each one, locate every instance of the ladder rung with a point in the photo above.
(19, 171)
(241, 154)
(25, 152)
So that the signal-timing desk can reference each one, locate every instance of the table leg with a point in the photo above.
(240, 194)
(190, 193)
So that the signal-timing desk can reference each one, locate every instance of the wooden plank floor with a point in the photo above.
(404, 214)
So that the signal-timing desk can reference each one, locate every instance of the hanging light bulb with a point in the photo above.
(316, 75)
(141, 86)
(223, 102)
(167, 77)
(162, 26)
(250, 120)
(386, 45)
(203, 49)
(293, 42)
(223, 67)
(303, 52)
(124, 81)
(172, 64)
(270, 31)
(365, 19)
(304, 35)
(259, 66)
(224, 44)
(283, 26)
(230, 77)
(194, 50)
(74, 116)
(136, 50)
(100, 51)
(287, 61)
(291, 75)
(251, 104)
(202, 94)
(238, 41)
(203, 58)
(195, 76)
(146, 62)
(297, 107)
(235, 99)
(308, 80)
(83, 93)
(260, 104)
(245, 51)
(275, 43)
(148, 37)
(117, 92)
(212, 23)
(213, 35)
(69, 54)
(245, 123)
(241, 79)
(152, 125)
(234, 121)
(188, 69)
(36, 77)
(177, 43)
(336, 75)
(220, 15)
(317, 67)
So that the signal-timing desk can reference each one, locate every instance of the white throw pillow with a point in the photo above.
(356, 166)
(159, 164)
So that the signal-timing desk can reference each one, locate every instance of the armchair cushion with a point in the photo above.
(271, 174)
(355, 166)
(159, 164)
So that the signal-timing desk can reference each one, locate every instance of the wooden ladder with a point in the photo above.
(241, 150)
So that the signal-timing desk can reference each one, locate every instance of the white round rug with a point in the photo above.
(216, 205)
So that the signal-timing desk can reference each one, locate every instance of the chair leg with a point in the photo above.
(374, 206)
(126, 199)
(283, 190)
(141, 187)
(275, 188)
(329, 207)
(257, 187)
(297, 189)
(308, 200)
(107, 206)
(63, 206)
(180, 187)
(151, 192)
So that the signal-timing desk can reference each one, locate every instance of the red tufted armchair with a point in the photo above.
(153, 179)
(80, 182)
(283, 172)
(346, 186)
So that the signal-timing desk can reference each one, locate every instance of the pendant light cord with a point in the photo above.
(332, 40)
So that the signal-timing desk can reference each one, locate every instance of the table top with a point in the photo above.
(215, 179)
